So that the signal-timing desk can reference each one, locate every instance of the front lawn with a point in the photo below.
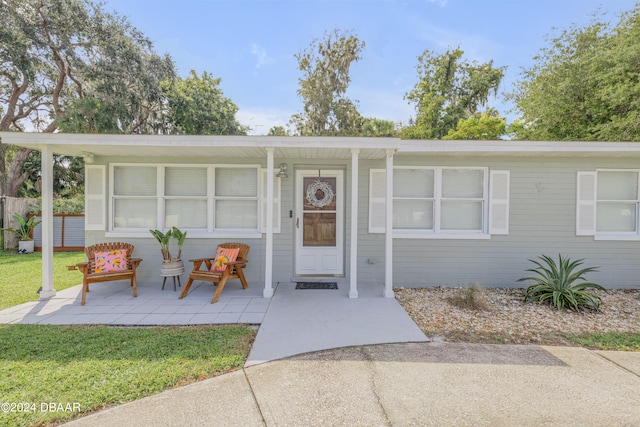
(21, 275)
(81, 369)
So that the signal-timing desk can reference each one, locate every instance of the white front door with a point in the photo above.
(319, 222)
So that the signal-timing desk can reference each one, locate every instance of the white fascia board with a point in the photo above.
(519, 148)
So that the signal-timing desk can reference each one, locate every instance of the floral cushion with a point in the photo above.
(223, 256)
(115, 260)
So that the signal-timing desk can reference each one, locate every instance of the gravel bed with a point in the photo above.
(510, 320)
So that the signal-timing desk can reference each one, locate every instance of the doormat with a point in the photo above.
(316, 285)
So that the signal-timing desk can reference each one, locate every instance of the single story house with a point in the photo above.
(374, 212)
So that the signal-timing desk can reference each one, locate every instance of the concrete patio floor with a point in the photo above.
(112, 303)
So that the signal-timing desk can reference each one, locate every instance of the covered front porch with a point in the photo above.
(101, 152)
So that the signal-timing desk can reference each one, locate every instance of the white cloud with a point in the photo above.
(262, 58)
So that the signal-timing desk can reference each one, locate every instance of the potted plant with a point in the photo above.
(170, 266)
(24, 232)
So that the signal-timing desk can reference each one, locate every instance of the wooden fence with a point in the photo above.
(11, 206)
(68, 233)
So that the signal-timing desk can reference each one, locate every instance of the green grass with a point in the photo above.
(21, 275)
(94, 367)
(607, 341)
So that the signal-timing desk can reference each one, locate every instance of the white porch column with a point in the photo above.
(268, 263)
(353, 290)
(388, 236)
(47, 223)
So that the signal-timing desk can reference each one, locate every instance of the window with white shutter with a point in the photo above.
(441, 202)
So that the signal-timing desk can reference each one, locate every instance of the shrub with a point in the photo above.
(558, 284)
(471, 298)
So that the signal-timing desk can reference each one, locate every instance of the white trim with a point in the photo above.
(46, 164)
(210, 231)
(353, 256)
(388, 236)
(97, 197)
(377, 203)
(586, 188)
(497, 204)
(268, 264)
(315, 254)
(277, 202)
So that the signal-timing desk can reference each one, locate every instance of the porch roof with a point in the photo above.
(197, 145)
(303, 147)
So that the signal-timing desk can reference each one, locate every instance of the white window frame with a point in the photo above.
(489, 227)
(593, 205)
(210, 231)
(437, 199)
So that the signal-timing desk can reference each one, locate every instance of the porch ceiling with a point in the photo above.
(208, 146)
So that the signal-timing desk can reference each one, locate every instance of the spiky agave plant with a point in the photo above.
(558, 284)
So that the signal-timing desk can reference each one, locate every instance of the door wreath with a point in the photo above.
(325, 189)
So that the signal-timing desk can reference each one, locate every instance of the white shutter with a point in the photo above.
(95, 201)
(377, 200)
(276, 203)
(499, 202)
(586, 204)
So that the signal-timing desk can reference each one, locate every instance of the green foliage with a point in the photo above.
(613, 341)
(449, 88)
(481, 126)
(68, 176)
(378, 127)
(325, 67)
(102, 366)
(165, 238)
(25, 227)
(198, 107)
(471, 298)
(583, 85)
(70, 65)
(559, 285)
(278, 131)
(74, 205)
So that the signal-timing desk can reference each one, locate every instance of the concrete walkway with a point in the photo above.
(412, 384)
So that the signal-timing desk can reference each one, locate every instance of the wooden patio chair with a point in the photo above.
(88, 268)
(233, 270)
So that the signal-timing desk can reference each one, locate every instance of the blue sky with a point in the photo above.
(251, 44)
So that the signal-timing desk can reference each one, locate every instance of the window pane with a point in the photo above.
(461, 216)
(413, 214)
(239, 182)
(617, 185)
(413, 183)
(185, 181)
(135, 213)
(615, 216)
(185, 213)
(462, 183)
(236, 214)
(134, 180)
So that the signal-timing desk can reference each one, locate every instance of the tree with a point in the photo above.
(325, 67)
(198, 107)
(68, 64)
(487, 125)
(378, 127)
(583, 85)
(448, 89)
(278, 131)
